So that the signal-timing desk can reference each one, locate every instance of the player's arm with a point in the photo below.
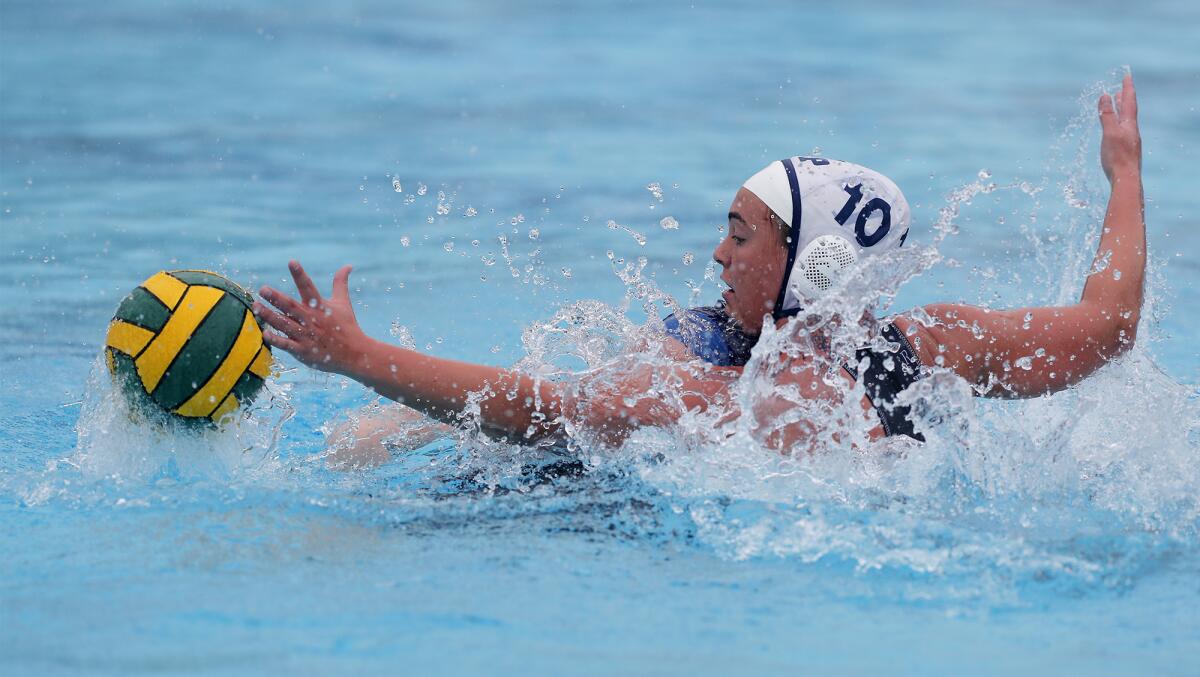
(324, 334)
(1033, 351)
(373, 434)
(803, 393)
(616, 401)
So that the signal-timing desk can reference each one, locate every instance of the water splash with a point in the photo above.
(1002, 496)
(126, 455)
(637, 237)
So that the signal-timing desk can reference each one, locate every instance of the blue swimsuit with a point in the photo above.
(712, 335)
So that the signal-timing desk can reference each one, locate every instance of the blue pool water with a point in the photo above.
(1050, 535)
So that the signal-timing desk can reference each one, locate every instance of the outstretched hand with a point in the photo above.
(1121, 144)
(320, 332)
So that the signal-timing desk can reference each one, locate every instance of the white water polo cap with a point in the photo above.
(837, 213)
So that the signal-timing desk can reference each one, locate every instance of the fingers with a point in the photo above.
(1128, 101)
(340, 288)
(277, 321)
(1108, 116)
(290, 306)
(281, 342)
(304, 285)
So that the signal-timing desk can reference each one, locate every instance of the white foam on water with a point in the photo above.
(122, 444)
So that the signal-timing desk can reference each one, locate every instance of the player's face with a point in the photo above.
(753, 257)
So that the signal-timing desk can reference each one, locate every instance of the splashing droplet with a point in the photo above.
(1073, 198)
(402, 335)
(669, 223)
(396, 186)
(637, 237)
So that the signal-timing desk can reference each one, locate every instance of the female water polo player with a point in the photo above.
(793, 227)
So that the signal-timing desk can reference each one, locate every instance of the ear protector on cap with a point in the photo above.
(837, 214)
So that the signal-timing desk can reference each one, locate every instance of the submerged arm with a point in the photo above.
(1033, 351)
(374, 433)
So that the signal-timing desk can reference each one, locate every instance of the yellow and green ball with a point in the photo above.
(187, 341)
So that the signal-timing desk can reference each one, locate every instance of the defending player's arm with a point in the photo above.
(324, 334)
(1033, 351)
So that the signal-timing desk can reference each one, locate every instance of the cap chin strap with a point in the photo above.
(793, 242)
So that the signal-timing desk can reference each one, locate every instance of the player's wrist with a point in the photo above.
(356, 357)
(1125, 173)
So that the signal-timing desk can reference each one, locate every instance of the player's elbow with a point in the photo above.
(1124, 329)
(1118, 336)
(1123, 339)
(1113, 329)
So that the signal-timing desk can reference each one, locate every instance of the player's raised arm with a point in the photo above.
(1029, 352)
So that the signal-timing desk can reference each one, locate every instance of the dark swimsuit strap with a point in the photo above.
(887, 374)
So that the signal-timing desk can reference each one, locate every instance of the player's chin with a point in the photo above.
(738, 315)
